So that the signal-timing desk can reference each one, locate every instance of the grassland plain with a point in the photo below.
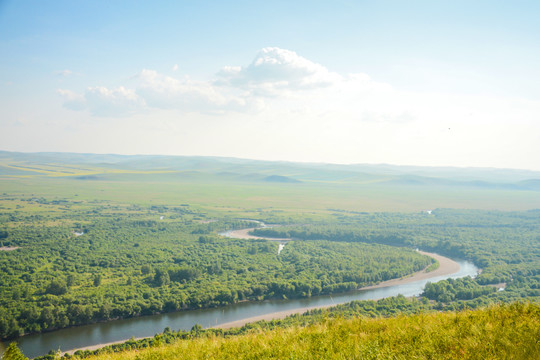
(119, 201)
(218, 183)
(497, 332)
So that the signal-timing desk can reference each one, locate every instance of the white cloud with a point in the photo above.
(101, 101)
(275, 77)
(186, 95)
(113, 102)
(305, 112)
(72, 101)
(175, 67)
(276, 70)
(279, 82)
(64, 73)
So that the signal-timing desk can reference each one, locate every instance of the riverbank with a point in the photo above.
(269, 317)
(245, 234)
(98, 335)
(98, 346)
(447, 267)
(8, 248)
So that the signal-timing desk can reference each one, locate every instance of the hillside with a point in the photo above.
(497, 332)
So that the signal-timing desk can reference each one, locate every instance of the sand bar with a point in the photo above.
(9, 248)
(244, 234)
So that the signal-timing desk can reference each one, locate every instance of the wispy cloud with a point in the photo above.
(113, 102)
(63, 73)
(72, 100)
(187, 95)
(101, 101)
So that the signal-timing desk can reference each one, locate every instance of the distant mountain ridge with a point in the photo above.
(110, 166)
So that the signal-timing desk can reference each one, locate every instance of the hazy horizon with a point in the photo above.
(410, 84)
(390, 165)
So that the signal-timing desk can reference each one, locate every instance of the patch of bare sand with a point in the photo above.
(244, 234)
(9, 248)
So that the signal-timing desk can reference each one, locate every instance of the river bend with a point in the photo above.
(93, 335)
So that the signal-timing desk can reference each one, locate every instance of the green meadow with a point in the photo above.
(253, 186)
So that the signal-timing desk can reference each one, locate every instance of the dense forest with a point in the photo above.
(79, 262)
(505, 245)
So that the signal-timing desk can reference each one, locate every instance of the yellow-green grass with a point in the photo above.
(498, 332)
(23, 169)
(141, 182)
(316, 198)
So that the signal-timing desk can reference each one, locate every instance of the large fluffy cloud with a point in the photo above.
(281, 105)
(279, 82)
(274, 70)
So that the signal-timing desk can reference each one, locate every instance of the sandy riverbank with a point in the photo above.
(269, 317)
(244, 234)
(98, 346)
(9, 248)
(447, 267)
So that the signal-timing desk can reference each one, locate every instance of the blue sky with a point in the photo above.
(403, 82)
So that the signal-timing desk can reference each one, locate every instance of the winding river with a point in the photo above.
(93, 335)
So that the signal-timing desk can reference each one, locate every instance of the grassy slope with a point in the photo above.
(503, 332)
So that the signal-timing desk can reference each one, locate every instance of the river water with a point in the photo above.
(146, 326)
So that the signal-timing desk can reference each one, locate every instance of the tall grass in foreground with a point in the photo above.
(497, 332)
